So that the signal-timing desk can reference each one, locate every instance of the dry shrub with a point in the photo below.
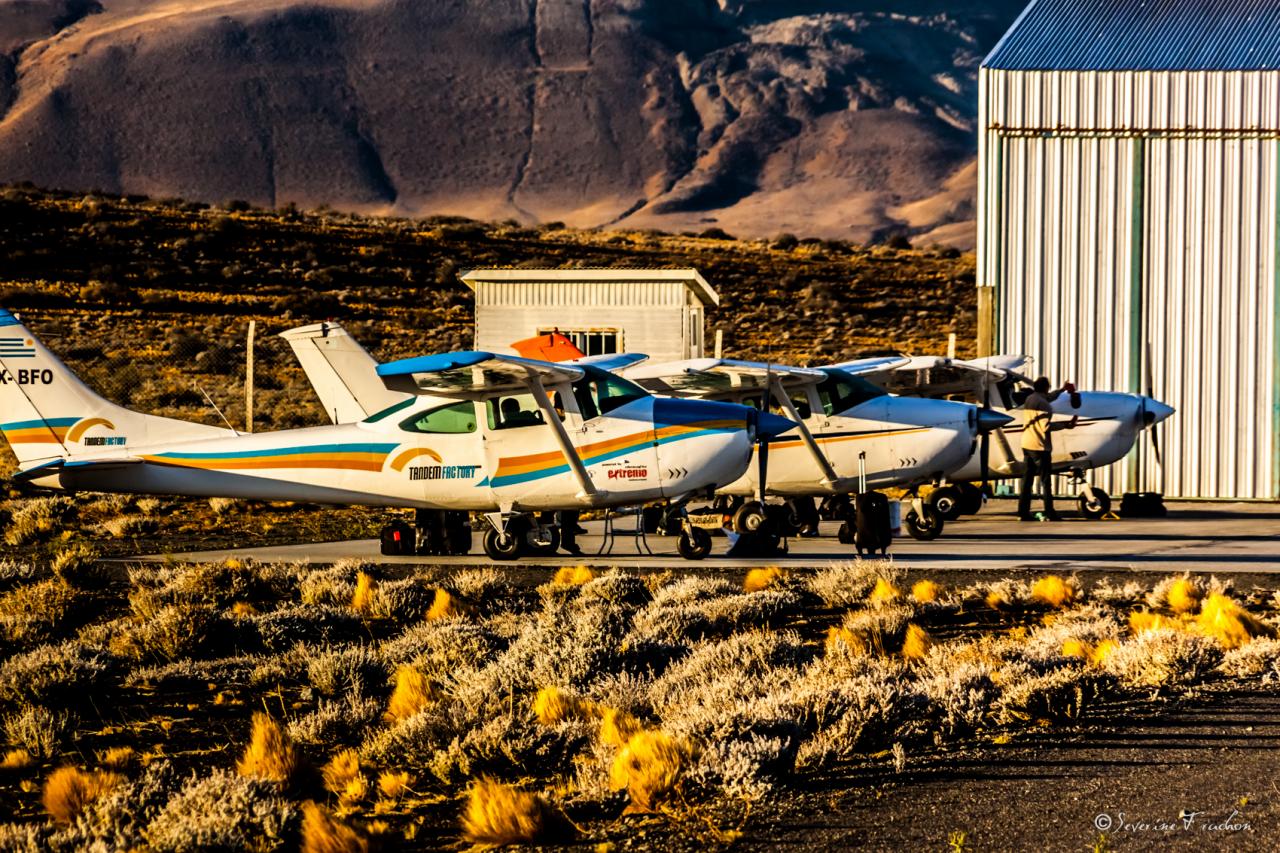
(447, 606)
(243, 609)
(322, 833)
(411, 695)
(393, 784)
(1055, 591)
(366, 600)
(573, 576)
(885, 592)
(1094, 654)
(1143, 621)
(651, 768)
(340, 771)
(34, 612)
(498, 814)
(69, 790)
(617, 727)
(76, 565)
(39, 730)
(926, 592)
(1228, 623)
(16, 759)
(916, 644)
(1184, 595)
(270, 754)
(758, 579)
(118, 757)
(553, 706)
(865, 632)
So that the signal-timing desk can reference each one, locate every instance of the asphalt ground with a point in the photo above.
(1201, 537)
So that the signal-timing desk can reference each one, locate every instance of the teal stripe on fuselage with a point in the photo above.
(53, 422)
(283, 451)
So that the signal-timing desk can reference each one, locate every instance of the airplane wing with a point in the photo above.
(877, 364)
(470, 374)
(341, 371)
(710, 377)
(932, 375)
(612, 361)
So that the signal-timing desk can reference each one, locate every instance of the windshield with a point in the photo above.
(841, 391)
(600, 392)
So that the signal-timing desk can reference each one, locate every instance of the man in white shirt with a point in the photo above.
(1037, 447)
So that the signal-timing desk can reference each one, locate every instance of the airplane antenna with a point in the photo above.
(214, 406)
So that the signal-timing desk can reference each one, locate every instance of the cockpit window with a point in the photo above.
(841, 391)
(512, 411)
(600, 392)
(390, 410)
(453, 418)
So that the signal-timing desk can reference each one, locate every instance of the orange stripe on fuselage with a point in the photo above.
(349, 462)
(799, 442)
(512, 465)
(36, 435)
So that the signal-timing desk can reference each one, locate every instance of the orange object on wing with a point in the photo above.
(551, 347)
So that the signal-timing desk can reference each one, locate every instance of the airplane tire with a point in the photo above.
(397, 539)
(946, 502)
(544, 547)
(694, 544)
(502, 547)
(749, 518)
(835, 508)
(925, 525)
(1096, 508)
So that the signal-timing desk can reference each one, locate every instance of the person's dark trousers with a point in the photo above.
(1038, 463)
(569, 531)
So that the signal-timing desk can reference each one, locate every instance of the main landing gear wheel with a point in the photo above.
(925, 525)
(545, 545)
(501, 546)
(397, 540)
(971, 499)
(749, 518)
(947, 502)
(1096, 507)
(694, 543)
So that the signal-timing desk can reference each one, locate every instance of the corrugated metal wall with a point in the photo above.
(1102, 193)
(580, 293)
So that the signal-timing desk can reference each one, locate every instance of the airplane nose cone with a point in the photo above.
(1155, 411)
(771, 426)
(990, 420)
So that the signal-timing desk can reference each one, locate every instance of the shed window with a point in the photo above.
(591, 341)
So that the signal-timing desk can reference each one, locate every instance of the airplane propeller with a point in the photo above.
(762, 455)
(1148, 416)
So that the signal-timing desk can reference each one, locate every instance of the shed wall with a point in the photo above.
(1131, 210)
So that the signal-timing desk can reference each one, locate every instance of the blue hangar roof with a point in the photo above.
(1142, 35)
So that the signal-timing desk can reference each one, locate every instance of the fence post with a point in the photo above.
(248, 381)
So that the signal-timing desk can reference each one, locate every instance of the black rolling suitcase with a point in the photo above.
(873, 534)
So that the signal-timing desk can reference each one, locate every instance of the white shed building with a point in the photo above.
(655, 312)
(1129, 178)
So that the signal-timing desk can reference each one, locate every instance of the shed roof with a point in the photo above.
(690, 277)
(1142, 35)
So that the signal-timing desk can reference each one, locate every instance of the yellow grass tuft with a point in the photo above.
(341, 770)
(447, 606)
(117, 757)
(573, 576)
(1184, 595)
(1054, 591)
(838, 636)
(270, 754)
(365, 595)
(16, 759)
(233, 563)
(997, 600)
(498, 814)
(553, 706)
(412, 694)
(926, 592)
(393, 784)
(917, 643)
(1142, 621)
(1074, 648)
(321, 833)
(650, 767)
(758, 579)
(885, 592)
(68, 791)
(1099, 654)
(241, 609)
(1228, 623)
(618, 727)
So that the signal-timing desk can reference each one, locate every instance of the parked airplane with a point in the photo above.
(846, 427)
(471, 432)
(1092, 428)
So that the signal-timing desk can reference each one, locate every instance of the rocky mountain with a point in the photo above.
(835, 118)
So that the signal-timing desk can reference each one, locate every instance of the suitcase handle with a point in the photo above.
(862, 472)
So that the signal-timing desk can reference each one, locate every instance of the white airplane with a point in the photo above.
(1091, 428)
(847, 429)
(470, 432)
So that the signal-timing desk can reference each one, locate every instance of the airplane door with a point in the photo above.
(619, 441)
(440, 458)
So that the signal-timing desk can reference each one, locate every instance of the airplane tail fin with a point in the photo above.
(47, 413)
(341, 371)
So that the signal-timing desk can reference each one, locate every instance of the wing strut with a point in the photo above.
(829, 478)
(589, 491)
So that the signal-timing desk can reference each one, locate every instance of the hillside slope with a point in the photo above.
(839, 119)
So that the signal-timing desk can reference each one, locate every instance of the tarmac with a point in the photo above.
(1200, 537)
